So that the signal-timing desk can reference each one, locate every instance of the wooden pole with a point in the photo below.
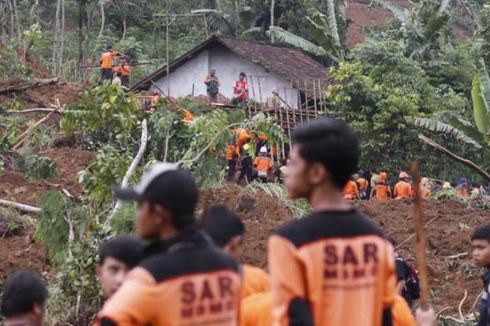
(253, 93)
(421, 239)
(167, 50)
(314, 97)
(260, 89)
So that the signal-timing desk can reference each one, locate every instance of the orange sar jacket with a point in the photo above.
(106, 59)
(362, 183)
(331, 268)
(263, 164)
(123, 69)
(402, 190)
(383, 191)
(190, 283)
(350, 190)
(255, 280)
(256, 310)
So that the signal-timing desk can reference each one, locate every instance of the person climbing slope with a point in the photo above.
(402, 188)
(263, 164)
(350, 190)
(382, 190)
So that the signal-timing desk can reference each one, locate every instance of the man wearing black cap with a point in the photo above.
(187, 280)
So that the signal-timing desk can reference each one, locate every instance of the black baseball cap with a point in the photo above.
(165, 184)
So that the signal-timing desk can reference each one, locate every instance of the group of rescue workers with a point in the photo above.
(332, 267)
(115, 74)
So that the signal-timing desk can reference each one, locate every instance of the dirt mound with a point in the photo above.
(21, 252)
(66, 93)
(448, 235)
(260, 213)
(15, 186)
(448, 231)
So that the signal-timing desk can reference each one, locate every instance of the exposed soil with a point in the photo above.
(448, 235)
(21, 252)
(15, 186)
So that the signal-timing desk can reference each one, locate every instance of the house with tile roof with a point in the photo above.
(297, 77)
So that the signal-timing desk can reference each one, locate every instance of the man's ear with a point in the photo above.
(317, 173)
(235, 242)
(162, 215)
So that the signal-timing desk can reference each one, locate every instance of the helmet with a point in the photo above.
(403, 175)
(246, 147)
(463, 180)
(263, 150)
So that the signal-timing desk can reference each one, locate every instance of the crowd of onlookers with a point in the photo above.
(331, 267)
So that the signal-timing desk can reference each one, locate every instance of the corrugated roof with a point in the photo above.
(289, 63)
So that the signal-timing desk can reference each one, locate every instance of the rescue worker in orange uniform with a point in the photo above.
(256, 310)
(350, 190)
(106, 60)
(184, 279)
(227, 231)
(232, 152)
(463, 187)
(187, 116)
(263, 164)
(425, 189)
(402, 188)
(362, 185)
(333, 266)
(242, 136)
(125, 70)
(382, 190)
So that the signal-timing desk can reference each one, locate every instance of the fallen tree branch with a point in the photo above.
(33, 110)
(455, 157)
(414, 234)
(457, 256)
(24, 86)
(460, 307)
(131, 169)
(19, 140)
(20, 207)
(206, 148)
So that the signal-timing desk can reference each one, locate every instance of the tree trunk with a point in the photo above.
(62, 38)
(124, 28)
(56, 39)
(102, 18)
(81, 15)
(16, 17)
(273, 3)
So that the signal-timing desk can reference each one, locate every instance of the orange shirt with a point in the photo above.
(256, 310)
(362, 183)
(124, 70)
(463, 192)
(402, 190)
(263, 164)
(350, 190)
(402, 315)
(106, 59)
(242, 136)
(337, 263)
(255, 280)
(187, 116)
(383, 192)
(425, 192)
(175, 288)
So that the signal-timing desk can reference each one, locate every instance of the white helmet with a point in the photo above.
(263, 150)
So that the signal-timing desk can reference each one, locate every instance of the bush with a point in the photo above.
(37, 167)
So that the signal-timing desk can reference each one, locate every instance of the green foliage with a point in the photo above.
(479, 105)
(11, 223)
(37, 167)
(299, 208)
(106, 112)
(52, 228)
(104, 173)
(123, 221)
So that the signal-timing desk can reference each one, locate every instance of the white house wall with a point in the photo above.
(228, 65)
(185, 76)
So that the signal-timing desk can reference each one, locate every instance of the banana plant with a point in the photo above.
(480, 95)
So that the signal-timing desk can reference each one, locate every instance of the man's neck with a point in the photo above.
(327, 199)
(169, 233)
(22, 320)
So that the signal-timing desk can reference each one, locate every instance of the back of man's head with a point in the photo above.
(125, 249)
(481, 233)
(23, 293)
(222, 225)
(331, 143)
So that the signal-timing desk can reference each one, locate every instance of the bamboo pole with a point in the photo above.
(421, 239)
(314, 97)
(253, 94)
(260, 89)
